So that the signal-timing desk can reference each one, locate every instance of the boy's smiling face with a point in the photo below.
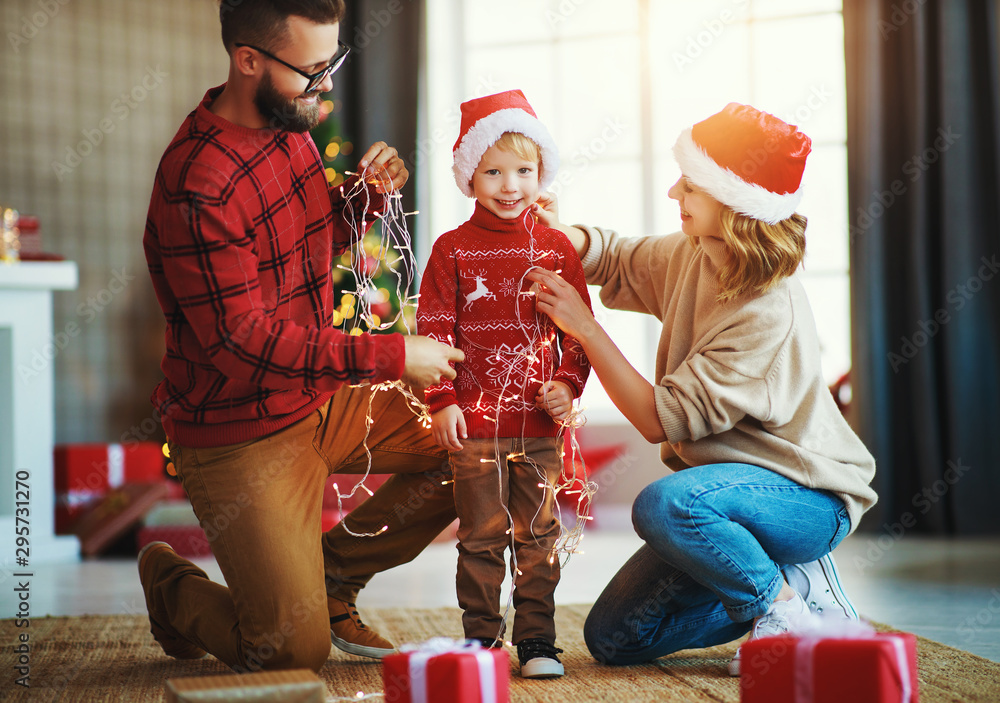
(504, 183)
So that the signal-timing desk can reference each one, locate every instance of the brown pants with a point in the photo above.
(260, 504)
(481, 492)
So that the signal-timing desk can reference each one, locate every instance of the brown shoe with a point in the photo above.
(348, 633)
(173, 644)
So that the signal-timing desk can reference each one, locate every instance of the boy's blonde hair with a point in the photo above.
(761, 254)
(522, 147)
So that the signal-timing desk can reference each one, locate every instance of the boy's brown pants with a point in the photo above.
(482, 489)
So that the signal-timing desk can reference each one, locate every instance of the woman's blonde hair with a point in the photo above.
(760, 254)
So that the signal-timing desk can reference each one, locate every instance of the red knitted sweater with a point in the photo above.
(473, 293)
(240, 239)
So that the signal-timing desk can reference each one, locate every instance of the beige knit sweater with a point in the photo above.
(735, 382)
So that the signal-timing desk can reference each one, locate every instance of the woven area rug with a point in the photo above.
(105, 659)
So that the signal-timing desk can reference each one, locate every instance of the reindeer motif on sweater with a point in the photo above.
(473, 294)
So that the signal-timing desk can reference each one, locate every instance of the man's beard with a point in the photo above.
(282, 113)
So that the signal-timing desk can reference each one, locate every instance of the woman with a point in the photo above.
(770, 477)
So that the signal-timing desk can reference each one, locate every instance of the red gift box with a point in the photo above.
(446, 671)
(85, 473)
(578, 468)
(877, 668)
(187, 540)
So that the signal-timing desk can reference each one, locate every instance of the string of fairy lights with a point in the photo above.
(521, 364)
(382, 244)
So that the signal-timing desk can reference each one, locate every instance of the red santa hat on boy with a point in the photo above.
(746, 159)
(484, 120)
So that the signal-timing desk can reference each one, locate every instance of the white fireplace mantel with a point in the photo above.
(28, 349)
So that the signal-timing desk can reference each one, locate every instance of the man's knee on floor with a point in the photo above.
(304, 648)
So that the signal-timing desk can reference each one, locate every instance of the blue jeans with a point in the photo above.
(716, 539)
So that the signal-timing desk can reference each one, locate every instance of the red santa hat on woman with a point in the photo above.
(746, 159)
(484, 120)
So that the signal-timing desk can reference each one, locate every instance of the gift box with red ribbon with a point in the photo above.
(174, 522)
(86, 473)
(861, 666)
(446, 671)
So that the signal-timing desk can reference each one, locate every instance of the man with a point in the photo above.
(256, 402)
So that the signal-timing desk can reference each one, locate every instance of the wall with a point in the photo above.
(92, 94)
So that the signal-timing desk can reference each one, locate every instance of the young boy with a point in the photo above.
(500, 417)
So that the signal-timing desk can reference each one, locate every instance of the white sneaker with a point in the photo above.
(538, 659)
(818, 582)
(781, 617)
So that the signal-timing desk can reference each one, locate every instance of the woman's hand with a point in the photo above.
(447, 425)
(555, 398)
(562, 303)
(546, 211)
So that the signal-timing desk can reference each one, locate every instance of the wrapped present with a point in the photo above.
(443, 670)
(174, 522)
(292, 686)
(830, 661)
(85, 473)
(189, 541)
(118, 512)
(577, 485)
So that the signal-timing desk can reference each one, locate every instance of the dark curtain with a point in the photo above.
(923, 146)
(378, 83)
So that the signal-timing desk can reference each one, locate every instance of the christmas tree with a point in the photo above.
(378, 262)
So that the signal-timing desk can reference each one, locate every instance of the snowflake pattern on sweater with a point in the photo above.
(474, 294)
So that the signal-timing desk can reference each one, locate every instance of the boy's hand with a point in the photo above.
(382, 167)
(555, 398)
(447, 425)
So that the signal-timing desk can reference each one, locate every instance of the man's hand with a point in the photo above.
(382, 167)
(428, 361)
(555, 398)
(447, 426)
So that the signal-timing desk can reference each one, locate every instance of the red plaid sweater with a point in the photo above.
(473, 292)
(240, 240)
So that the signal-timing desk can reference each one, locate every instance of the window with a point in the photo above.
(616, 83)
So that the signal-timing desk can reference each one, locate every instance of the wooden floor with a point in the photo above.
(946, 590)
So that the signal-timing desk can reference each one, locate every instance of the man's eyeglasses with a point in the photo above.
(315, 79)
